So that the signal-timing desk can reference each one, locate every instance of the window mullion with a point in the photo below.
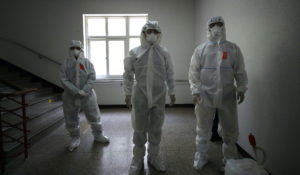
(88, 49)
(85, 32)
(126, 49)
(107, 51)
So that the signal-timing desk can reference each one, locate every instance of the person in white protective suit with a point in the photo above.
(216, 66)
(152, 67)
(77, 76)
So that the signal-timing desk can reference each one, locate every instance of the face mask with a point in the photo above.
(75, 53)
(151, 38)
(216, 31)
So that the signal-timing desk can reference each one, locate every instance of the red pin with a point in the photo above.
(81, 67)
(224, 55)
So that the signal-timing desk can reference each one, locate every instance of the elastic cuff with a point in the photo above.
(171, 92)
(75, 92)
(127, 94)
(242, 89)
(195, 92)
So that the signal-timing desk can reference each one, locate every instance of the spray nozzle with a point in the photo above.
(256, 148)
(252, 140)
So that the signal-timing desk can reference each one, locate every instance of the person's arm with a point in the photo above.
(170, 74)
(194, 73)
(128, 75)
(240, 72)
(91, 79)
(67, 84)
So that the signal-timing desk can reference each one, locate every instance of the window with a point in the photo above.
(108, 38)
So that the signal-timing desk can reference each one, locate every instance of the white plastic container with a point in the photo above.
(243, 167)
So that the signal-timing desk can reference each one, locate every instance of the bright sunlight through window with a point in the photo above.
(108, 39)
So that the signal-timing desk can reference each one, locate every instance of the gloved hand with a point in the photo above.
(240, 97)
(82, 93)
(128, 101)
(196, 98)
(172, 100)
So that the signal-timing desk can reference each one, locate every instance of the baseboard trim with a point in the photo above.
(243, 152)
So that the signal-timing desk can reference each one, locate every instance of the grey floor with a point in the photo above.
(49, 156)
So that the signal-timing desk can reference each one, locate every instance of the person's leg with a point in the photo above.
(92, 113)
(156, 121)
(229, 131)
(204, 116)
(139, 119)
(71, 115)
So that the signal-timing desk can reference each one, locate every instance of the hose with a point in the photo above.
(256, 149)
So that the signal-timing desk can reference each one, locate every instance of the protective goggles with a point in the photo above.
(149, 31)
(77, 48)
(220, 24)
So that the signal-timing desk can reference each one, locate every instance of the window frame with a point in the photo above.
(87, 39)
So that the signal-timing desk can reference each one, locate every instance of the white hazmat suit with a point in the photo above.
(216, 66)
(77, 76)
(152, 67)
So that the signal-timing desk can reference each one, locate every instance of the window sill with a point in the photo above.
(103, 81)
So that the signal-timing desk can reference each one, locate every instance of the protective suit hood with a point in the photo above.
(150, 25)
(210, 37)
(76, 43)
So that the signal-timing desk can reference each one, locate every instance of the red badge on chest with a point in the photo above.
(81, 67)
(224, 57)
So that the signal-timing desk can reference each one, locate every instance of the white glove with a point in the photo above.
(82, 93)
(196, 99)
